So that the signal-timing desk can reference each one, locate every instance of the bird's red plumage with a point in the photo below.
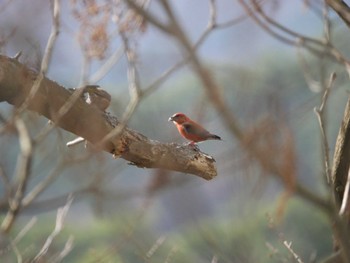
(191, 130)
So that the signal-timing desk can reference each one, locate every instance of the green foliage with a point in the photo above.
(246, 240)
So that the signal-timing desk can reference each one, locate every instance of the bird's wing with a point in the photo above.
(195, 130)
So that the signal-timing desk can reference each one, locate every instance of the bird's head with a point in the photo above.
(178, 118)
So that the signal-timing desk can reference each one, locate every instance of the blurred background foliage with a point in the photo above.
(125, 214)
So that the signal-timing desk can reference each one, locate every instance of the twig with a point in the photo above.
(171, 254)
(67, 248)
(294, 38)
(18, 55)
(17, 252)
(20, 235)
(345, 205)
(314, 86)
(22, 175)
(42, 185)
(134, 90)
(326, 24)
(341, 8)
(75, 141)
(25, 229)
(155, 246)
(47, 54)
(211, 26)
(149, 17)
(320, 115)
(288, 245)
(258, 21)
(106, 67)
(6, 181)
(61, 216)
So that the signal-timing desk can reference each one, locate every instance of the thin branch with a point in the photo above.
(20, 235)
(61, 216)
(342, 9)
(6, 182)
(345, 205)
(211, 26)
(303, 38)
(106, 67)
(148, 16)
(25, 230)
(258, 21)
(171, 254)
(160, 241)
(47, 54)
(314, 86)
(75, 141)
(62, 111)
(22, 175)
(134, 90)
(326, 24)
(288, 245)
(17, 252)
(42, 185)
(67, 248)
(324, 48)
(320, 115)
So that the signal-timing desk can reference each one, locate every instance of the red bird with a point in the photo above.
(191, 130)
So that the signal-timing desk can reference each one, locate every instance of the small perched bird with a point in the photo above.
(191, 130)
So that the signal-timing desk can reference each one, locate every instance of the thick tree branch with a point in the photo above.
(85, 121)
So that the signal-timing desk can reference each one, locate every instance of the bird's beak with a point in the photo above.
(170, 119)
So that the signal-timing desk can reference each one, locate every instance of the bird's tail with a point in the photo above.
(214, 137)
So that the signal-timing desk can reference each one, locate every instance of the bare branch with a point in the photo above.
(25, 230)
(41, 186)
(148, 16)
(160, 241)
(342, 9)
(320, 115)
(22, 175)
(61, 216)
(17, 252)
(106, 67)
(134, 90)
(47, 54)
(314, 46)
(288, 245)
(67, 248)
(326, 24)
(345, 205)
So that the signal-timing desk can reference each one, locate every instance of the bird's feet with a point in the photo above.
(193, 145)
